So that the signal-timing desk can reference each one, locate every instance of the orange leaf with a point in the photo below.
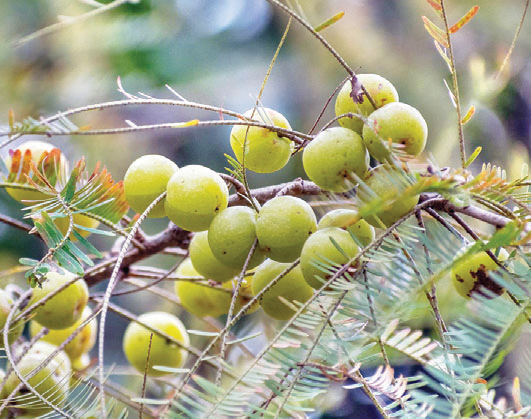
(436, 4)
(437, 33)
(465, 19)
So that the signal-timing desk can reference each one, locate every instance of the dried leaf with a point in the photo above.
(357, 93)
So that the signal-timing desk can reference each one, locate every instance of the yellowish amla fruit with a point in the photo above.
(80, 345)
(203, 300)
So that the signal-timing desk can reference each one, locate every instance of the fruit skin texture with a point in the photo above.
(63, 309)
(283, 225)
(52, 382)
(380, 89)
(145, 179)
(6, 303)
(292, 287)
(332, 156)
(197, 299)
(205, 262)
(350, 220)
(163, 352)
(265, 151)
(37, 148)
(471, 275)
(401, 123)
(80, 345)
(204, 301)
(320, 248)
(195, 195)
(231, 236)
(386, 184)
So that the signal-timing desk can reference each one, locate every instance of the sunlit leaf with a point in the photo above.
(465, 19)
(329, 22)
(436, 33)
(473, 156)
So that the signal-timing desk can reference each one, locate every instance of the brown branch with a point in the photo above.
(488, 217)
(175, 237)
(15, 223)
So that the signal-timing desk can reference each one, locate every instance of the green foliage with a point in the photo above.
(377, 308)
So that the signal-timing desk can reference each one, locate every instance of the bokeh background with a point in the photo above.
(217, 52)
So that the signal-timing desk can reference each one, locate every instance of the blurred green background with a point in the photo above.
(217, 52)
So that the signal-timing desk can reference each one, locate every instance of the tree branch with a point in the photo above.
(175, 237)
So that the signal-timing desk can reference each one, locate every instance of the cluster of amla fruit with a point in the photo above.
(285, 228)
(63, 314)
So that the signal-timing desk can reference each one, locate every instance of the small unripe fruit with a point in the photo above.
(471, 276)
(231, 236)
(6, 304)
(265, 151)
(163, 352)
(37, 149)
(201, 300)
(332, 156)
(81, 344)
(399, 123)
(320, 249)
(205, 262)
(283, 225)
(380, 89)
(291, 287)
(350, 220)
(195, 195)
(64, 308)
(145, 179)
(386, 186)
(52, 382)
(198, 299)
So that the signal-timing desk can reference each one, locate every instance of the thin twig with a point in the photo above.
(455, 93)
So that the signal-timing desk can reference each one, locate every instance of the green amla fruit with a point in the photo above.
(398, 123)
(163, 352)
(380, 89)
(333, 156)
(385, 188)
(195, 195)
(37, 150)
(198, 299)
(471, 276)
(292, 287)
(319, 252)
(80, 345)
(63, 309)
(52, 382)
(145, 179)
(6, 304)
(349, 220)
(283, 225)
(205, 262)
(265, 150)
(212, 301)
(231, 236)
